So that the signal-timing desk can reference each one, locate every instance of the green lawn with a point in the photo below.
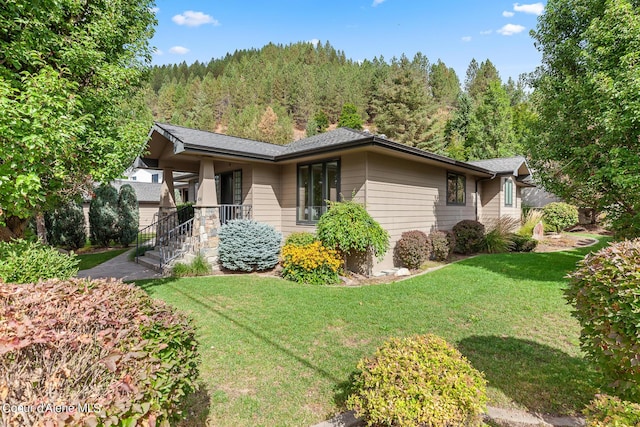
(88, 261)
(275, 353)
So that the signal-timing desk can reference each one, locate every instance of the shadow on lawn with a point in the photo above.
(545, 267)
(541, 378)
(196, 408)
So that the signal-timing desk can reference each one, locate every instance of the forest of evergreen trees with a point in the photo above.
(281, 93)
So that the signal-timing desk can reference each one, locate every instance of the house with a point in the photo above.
(402, 187)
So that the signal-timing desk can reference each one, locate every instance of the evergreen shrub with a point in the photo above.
(310, 263)
(413, 249)
(103, 215)
(604, 291)
(248, 245)
(66, 226)
(469, 236)
(128, 215)
(606, 411)
(418, 381)
(442, 244)
(22, 261)
(102, 343)
(559, 215)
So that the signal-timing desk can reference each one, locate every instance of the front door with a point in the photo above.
(226, 188)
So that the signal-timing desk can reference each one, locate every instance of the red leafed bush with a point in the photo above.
(413, 248)
(103, 350)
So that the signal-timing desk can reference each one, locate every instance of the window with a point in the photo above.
(154, 177)
(508, 192)
(317, 183)
(456, 189)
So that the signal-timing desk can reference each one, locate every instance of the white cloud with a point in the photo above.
(486, 32)
(314, 42)
(158, 52)
(466, 39)
(534, 8)
(194, 19)
(377, 2)
(507, 14)
(179, 50)
(511, 29)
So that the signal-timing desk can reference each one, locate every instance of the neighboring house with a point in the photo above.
(402, 187)
(148, 195)
(143, 175)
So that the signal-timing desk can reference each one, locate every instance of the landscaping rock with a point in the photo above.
(402, 272)
(538, 231)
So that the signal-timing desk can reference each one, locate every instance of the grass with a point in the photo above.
(91, 260)
(279, 353)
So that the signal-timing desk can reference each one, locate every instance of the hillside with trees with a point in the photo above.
(282, 93)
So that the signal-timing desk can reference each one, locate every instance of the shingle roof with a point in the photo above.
(340, 138)
(199, 139)
(145, 191)
(501, 165)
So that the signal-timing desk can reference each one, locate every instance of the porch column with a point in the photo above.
(167, 193)
(206, 215)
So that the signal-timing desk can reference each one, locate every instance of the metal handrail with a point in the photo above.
(173, 246)
(151, 234)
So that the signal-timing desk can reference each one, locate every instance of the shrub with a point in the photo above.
(66, 226)
(559, 215)
(523, 243)
(413, 248)
(128, 215)
(604, 293)
(103, 215)
(442, 243)
(300, 238)
(248, 245)
(312, 264)
(605, 411)
(101, 343)
(198, 267)
(415, 381)
(26, 262)
(498, 237)
(349, 228)
(469, 236)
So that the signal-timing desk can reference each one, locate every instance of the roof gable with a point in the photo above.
(516, 165)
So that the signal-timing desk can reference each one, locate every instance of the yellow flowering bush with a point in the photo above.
(312, 263)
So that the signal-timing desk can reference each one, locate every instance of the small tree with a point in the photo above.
(128, 215)
(348, 227)
(103, 215)
(350, 117)
(66, 226)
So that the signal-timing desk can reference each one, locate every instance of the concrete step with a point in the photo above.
(153, 254)
(153, 264)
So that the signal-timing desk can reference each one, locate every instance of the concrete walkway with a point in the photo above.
(120, 268)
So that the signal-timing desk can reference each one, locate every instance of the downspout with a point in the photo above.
(478, 194)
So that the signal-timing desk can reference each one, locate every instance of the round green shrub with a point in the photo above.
(248, 245)
(418, 381)
(605, 293)
(28, 262)
(106, 344)
(412, 249)
(606, 411)
(469, 236)
(559, 215)
(66, 226)
(128, 215)
(103, 215)
(300, 238)
(442, 243)
(348, 227)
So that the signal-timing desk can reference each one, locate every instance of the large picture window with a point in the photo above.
(508, 192)
(456, 189)
(317, 183)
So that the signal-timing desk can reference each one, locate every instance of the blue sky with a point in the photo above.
(454, 31)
